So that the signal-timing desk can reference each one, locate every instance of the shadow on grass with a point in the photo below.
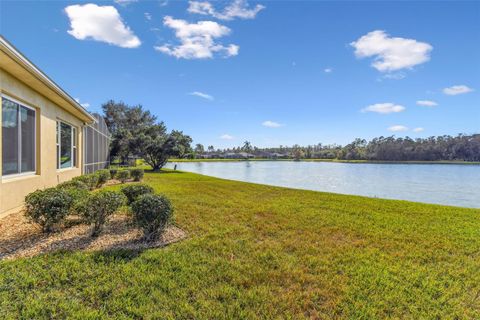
(116, 255)
(164, 171)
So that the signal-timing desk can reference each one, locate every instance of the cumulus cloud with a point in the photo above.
(100, 23)
(148, 16)
(197, 40)
(226, 137)
(237, 9)
(418, 129)
(271, 124)
(458, 89)
(426, 103)
(384, 108)
(397, 128)
(391, 53)
(201, 95)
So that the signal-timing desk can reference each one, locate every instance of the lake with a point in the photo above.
(448, 184)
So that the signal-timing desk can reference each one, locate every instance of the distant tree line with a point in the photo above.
(136, 133)
(461, 147)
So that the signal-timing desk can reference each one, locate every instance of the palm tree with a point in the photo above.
(247, 147)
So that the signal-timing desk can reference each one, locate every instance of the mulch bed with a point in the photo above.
(19, 238)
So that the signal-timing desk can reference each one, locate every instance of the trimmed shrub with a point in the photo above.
(113, 173)
(123, 175)
(137, 174)
(76, 184)
(152, 213)
(133, 191)
(103, 177)
(77, 190)
(98, 207)
(90, 180)
(47, 207)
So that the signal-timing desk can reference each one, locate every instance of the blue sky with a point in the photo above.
(275, 72)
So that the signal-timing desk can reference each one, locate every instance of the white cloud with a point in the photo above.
(384, 108)
(124, 2)
(85, 104)
(226, 137)
(427, 103)
(459, 89)
(100, 23)
(201, 95)
(418, 129)
(271, 124)
(328, 70)
(397, 128)
(148, 16)
(237, 9)
(391, 53)
(197, 40)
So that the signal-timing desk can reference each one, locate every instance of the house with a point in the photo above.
(209, 156)
(239, 155)
(42, 134)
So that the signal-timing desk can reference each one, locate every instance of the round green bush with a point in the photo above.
(123, 175)
(137, 174)
(76, 184)
(133, 191)
(103, 177)
(47, 207)
(91, 180)
(113, 173)
(152, 213)
(98, 206)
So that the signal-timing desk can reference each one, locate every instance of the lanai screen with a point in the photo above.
(97, 145)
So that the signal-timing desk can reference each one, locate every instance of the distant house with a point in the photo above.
(209, 156)
(271, 155)
(239, 155)
(276, 155)
(44, 131)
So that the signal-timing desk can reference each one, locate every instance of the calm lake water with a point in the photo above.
(457, 185)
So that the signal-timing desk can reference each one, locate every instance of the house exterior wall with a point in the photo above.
(14, 189)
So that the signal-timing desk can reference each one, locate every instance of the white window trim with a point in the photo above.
(72, 147)
(26, 173)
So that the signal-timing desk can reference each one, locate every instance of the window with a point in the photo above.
(18, 138)
(66, 145)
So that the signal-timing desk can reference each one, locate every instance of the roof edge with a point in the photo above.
(40, 75)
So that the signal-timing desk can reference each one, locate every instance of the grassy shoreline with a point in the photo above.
(332, 160)
(257, 251)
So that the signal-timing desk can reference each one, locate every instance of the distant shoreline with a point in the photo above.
(332, 160)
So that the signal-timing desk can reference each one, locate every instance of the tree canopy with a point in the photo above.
(136, 131)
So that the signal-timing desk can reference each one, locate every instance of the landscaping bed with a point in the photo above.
(19, 238)
(75, 216)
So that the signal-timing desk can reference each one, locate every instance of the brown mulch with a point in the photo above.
(19, 238)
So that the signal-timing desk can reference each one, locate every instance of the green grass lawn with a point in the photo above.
(266, 252)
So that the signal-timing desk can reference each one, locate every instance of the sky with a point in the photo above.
(270, 72)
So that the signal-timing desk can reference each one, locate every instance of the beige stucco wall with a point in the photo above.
(14, 190)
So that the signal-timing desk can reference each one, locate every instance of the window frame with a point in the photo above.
(73, 145)
(19, 147)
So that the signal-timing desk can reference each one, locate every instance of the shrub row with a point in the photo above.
(124, 174)
(51, 206)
